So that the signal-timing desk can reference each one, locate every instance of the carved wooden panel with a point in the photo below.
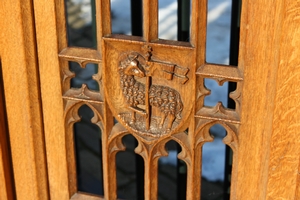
(263, 129)
(155, 90)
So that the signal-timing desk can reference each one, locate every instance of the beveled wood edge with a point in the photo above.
(81, 54)
(220, 72)
(137, 39)
(268, 162)
(22, 96)
(50, 27)
(86, 196)
(150, 20)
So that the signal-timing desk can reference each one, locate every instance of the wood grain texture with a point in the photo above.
(103, 21)
(198, 30)
(51, 39)
(22, 95)
(283, 170)
(268, 143)
(150, 20)
(262, 131)
(6, 174)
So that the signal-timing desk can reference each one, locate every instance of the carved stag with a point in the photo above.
(165, 98)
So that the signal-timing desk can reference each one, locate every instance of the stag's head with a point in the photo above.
(134, 68)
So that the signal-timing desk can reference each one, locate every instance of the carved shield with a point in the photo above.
(149, 87)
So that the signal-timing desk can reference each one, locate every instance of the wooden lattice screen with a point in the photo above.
(262, 131)
(155, 89)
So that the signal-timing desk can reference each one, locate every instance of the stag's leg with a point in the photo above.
(170, 122)
(163, 117)
(133, 118)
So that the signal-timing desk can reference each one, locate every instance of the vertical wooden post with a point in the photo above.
(23, 100)
(269, 145)
(103, 23)
(150, 32)
(283, 170)
(197, 40)
(51, 34)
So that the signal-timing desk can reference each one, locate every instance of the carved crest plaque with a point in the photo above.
(147, 92)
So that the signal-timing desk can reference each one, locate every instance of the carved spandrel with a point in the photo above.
(150, 149)
(202, 134)
(72, 106)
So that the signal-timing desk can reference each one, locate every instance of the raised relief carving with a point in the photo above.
(167, 100)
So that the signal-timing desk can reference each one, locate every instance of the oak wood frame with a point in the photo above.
(23, 102)
(268, 153)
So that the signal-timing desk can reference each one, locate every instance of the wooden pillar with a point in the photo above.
(269, 139)
(22, 95)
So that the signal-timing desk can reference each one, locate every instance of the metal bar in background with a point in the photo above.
(183, 33)
(183, 20)
(233, 60)
(94, 28)
(137, 30)
(136, 17)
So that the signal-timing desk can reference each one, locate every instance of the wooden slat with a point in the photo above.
(225, 115)
(198, 29)
(51, 38)
(80, 54)
(219, 72)
(103, 21)
(22, 95)
(150, 32)
(198, 41)
(150, 20)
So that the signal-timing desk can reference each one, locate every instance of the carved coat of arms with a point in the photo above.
(146, 93)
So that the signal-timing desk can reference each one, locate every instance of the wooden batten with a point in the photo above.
(51, 39)
(23, 100)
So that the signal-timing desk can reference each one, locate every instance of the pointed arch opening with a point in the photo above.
(88, 153)
(172, 170)
(130, 171)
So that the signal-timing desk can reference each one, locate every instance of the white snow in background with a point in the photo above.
(217, 51)
(213, 156)
(121, 22)
(167, 19)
